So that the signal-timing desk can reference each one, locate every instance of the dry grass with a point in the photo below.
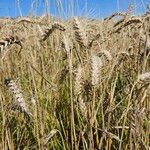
(85, 82)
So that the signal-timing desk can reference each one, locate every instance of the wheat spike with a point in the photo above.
(145, 42)
(24, 19)
(94, 39)
(67, 43)
(82, 106)
(96, 64)
(147, 14)
(4, 43)
(123, 53)
(106, 55)
(132, 20)
(129, 22)
(46, 33)
(18, 96)
(145, 77)
(78, 80)
(30, 20)
(49, 30)
(119, 22)
(49, 136)
(80, 34)
(78, 91)
(114, 15)
(59, 26)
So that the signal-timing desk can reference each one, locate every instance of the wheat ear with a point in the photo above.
(78, 81)
(46, 33)
(145, 77)
(4, 43)
(25, 19)
(78, 91)
(59, 26)
(80, 34)
(67, 43)
(96, 64)
(18, 96)
(49, 136)
(119, 22)
(114, 15)
(49, 30)
(106, 55)
(129, 22)
(96, 37)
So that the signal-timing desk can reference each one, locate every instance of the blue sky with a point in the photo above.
(94, 8)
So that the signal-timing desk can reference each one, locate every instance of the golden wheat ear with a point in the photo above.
(132, 20)
(46, 33)
(49, 136)
(4, 43)
(114, 15)
(49, 30)
(106, 55)
(59, 26)
(96, 65)
(78, 89)
(145, 77)
(96, 37)
(147, 14)
(24, 19)
(80, 34)
(18, 96)
(78, 81)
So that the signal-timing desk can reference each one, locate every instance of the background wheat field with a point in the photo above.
(78, 84)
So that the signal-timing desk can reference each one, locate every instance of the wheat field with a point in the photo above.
(76, 84)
